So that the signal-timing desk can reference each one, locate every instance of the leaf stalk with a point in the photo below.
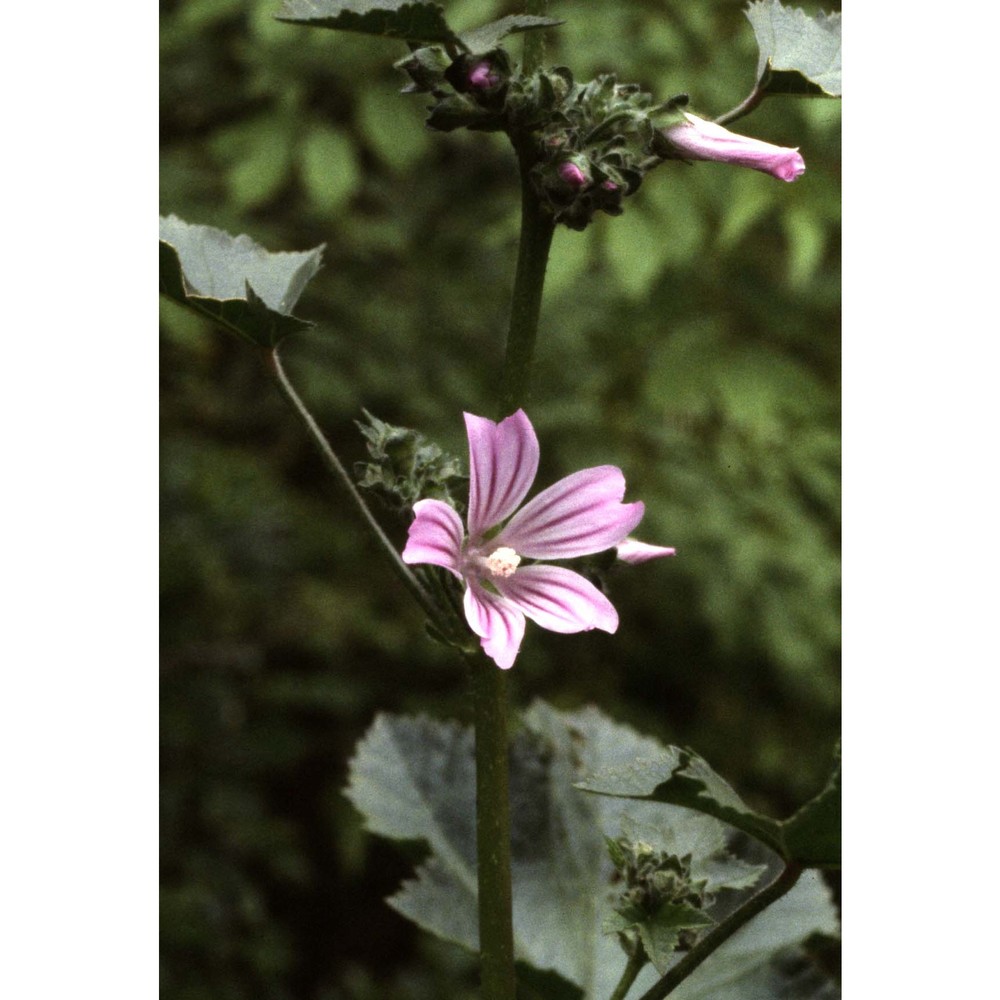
(334, 464)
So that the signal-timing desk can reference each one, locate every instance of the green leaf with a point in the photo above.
(680, 777)
(233, 281)
(799, 54)
(409, 20)
(414, 778)
(489, 36)
(812, 835)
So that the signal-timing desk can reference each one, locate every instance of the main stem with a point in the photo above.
(489, 685)
(537, 229)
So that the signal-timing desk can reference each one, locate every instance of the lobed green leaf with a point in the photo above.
(680, 777)
(233, 281)
(799, 54)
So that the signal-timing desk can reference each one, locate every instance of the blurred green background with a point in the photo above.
(694, 342)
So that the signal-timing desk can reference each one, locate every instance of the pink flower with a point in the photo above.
(633, 551)
(579, 515)
(698, 139)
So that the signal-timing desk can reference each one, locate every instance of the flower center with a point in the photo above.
(502, 561)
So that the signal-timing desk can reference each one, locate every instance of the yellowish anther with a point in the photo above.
(502, 561)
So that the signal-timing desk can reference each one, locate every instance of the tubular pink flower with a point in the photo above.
(698, 139)
(577, 516)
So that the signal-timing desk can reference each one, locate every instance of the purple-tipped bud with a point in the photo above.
(609, 185)
(573, 175)
(483, 76)
(698, 139)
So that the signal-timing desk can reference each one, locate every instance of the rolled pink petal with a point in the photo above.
(698, 139)
(577, 516)
(573, 175)
(559, 599)
(497, 622)
(503, 460)
(435, 536)
(633, 551)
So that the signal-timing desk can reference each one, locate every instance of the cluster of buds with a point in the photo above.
(405, 467)
(653, 878)
(593, 142)
(470, 90)
(594, 149)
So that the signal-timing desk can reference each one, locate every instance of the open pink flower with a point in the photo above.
(698, 139)
(579, 515)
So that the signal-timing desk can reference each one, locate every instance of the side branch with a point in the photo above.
(722, 932)
(336, 467)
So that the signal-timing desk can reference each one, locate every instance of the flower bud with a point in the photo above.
(572, 174)
(697, 139)
(483, 76)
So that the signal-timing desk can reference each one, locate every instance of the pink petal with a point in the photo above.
(435, 536)
(559, 599)
(576, 516)
(503, 460)
(634, 551)
(497, 622)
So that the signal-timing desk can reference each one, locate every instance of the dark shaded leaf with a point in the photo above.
(799, 54)
(812, 835)
(408, 20)
(233, 281)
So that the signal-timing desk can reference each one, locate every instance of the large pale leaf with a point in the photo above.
(414, 778)
(680, 777)
(233, 281)
(409, 20)
(799, 54)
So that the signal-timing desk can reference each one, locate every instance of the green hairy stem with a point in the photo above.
(490, 696)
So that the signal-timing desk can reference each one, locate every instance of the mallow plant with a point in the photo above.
(628, 868)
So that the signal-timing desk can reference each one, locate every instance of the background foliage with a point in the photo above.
(694, 342)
